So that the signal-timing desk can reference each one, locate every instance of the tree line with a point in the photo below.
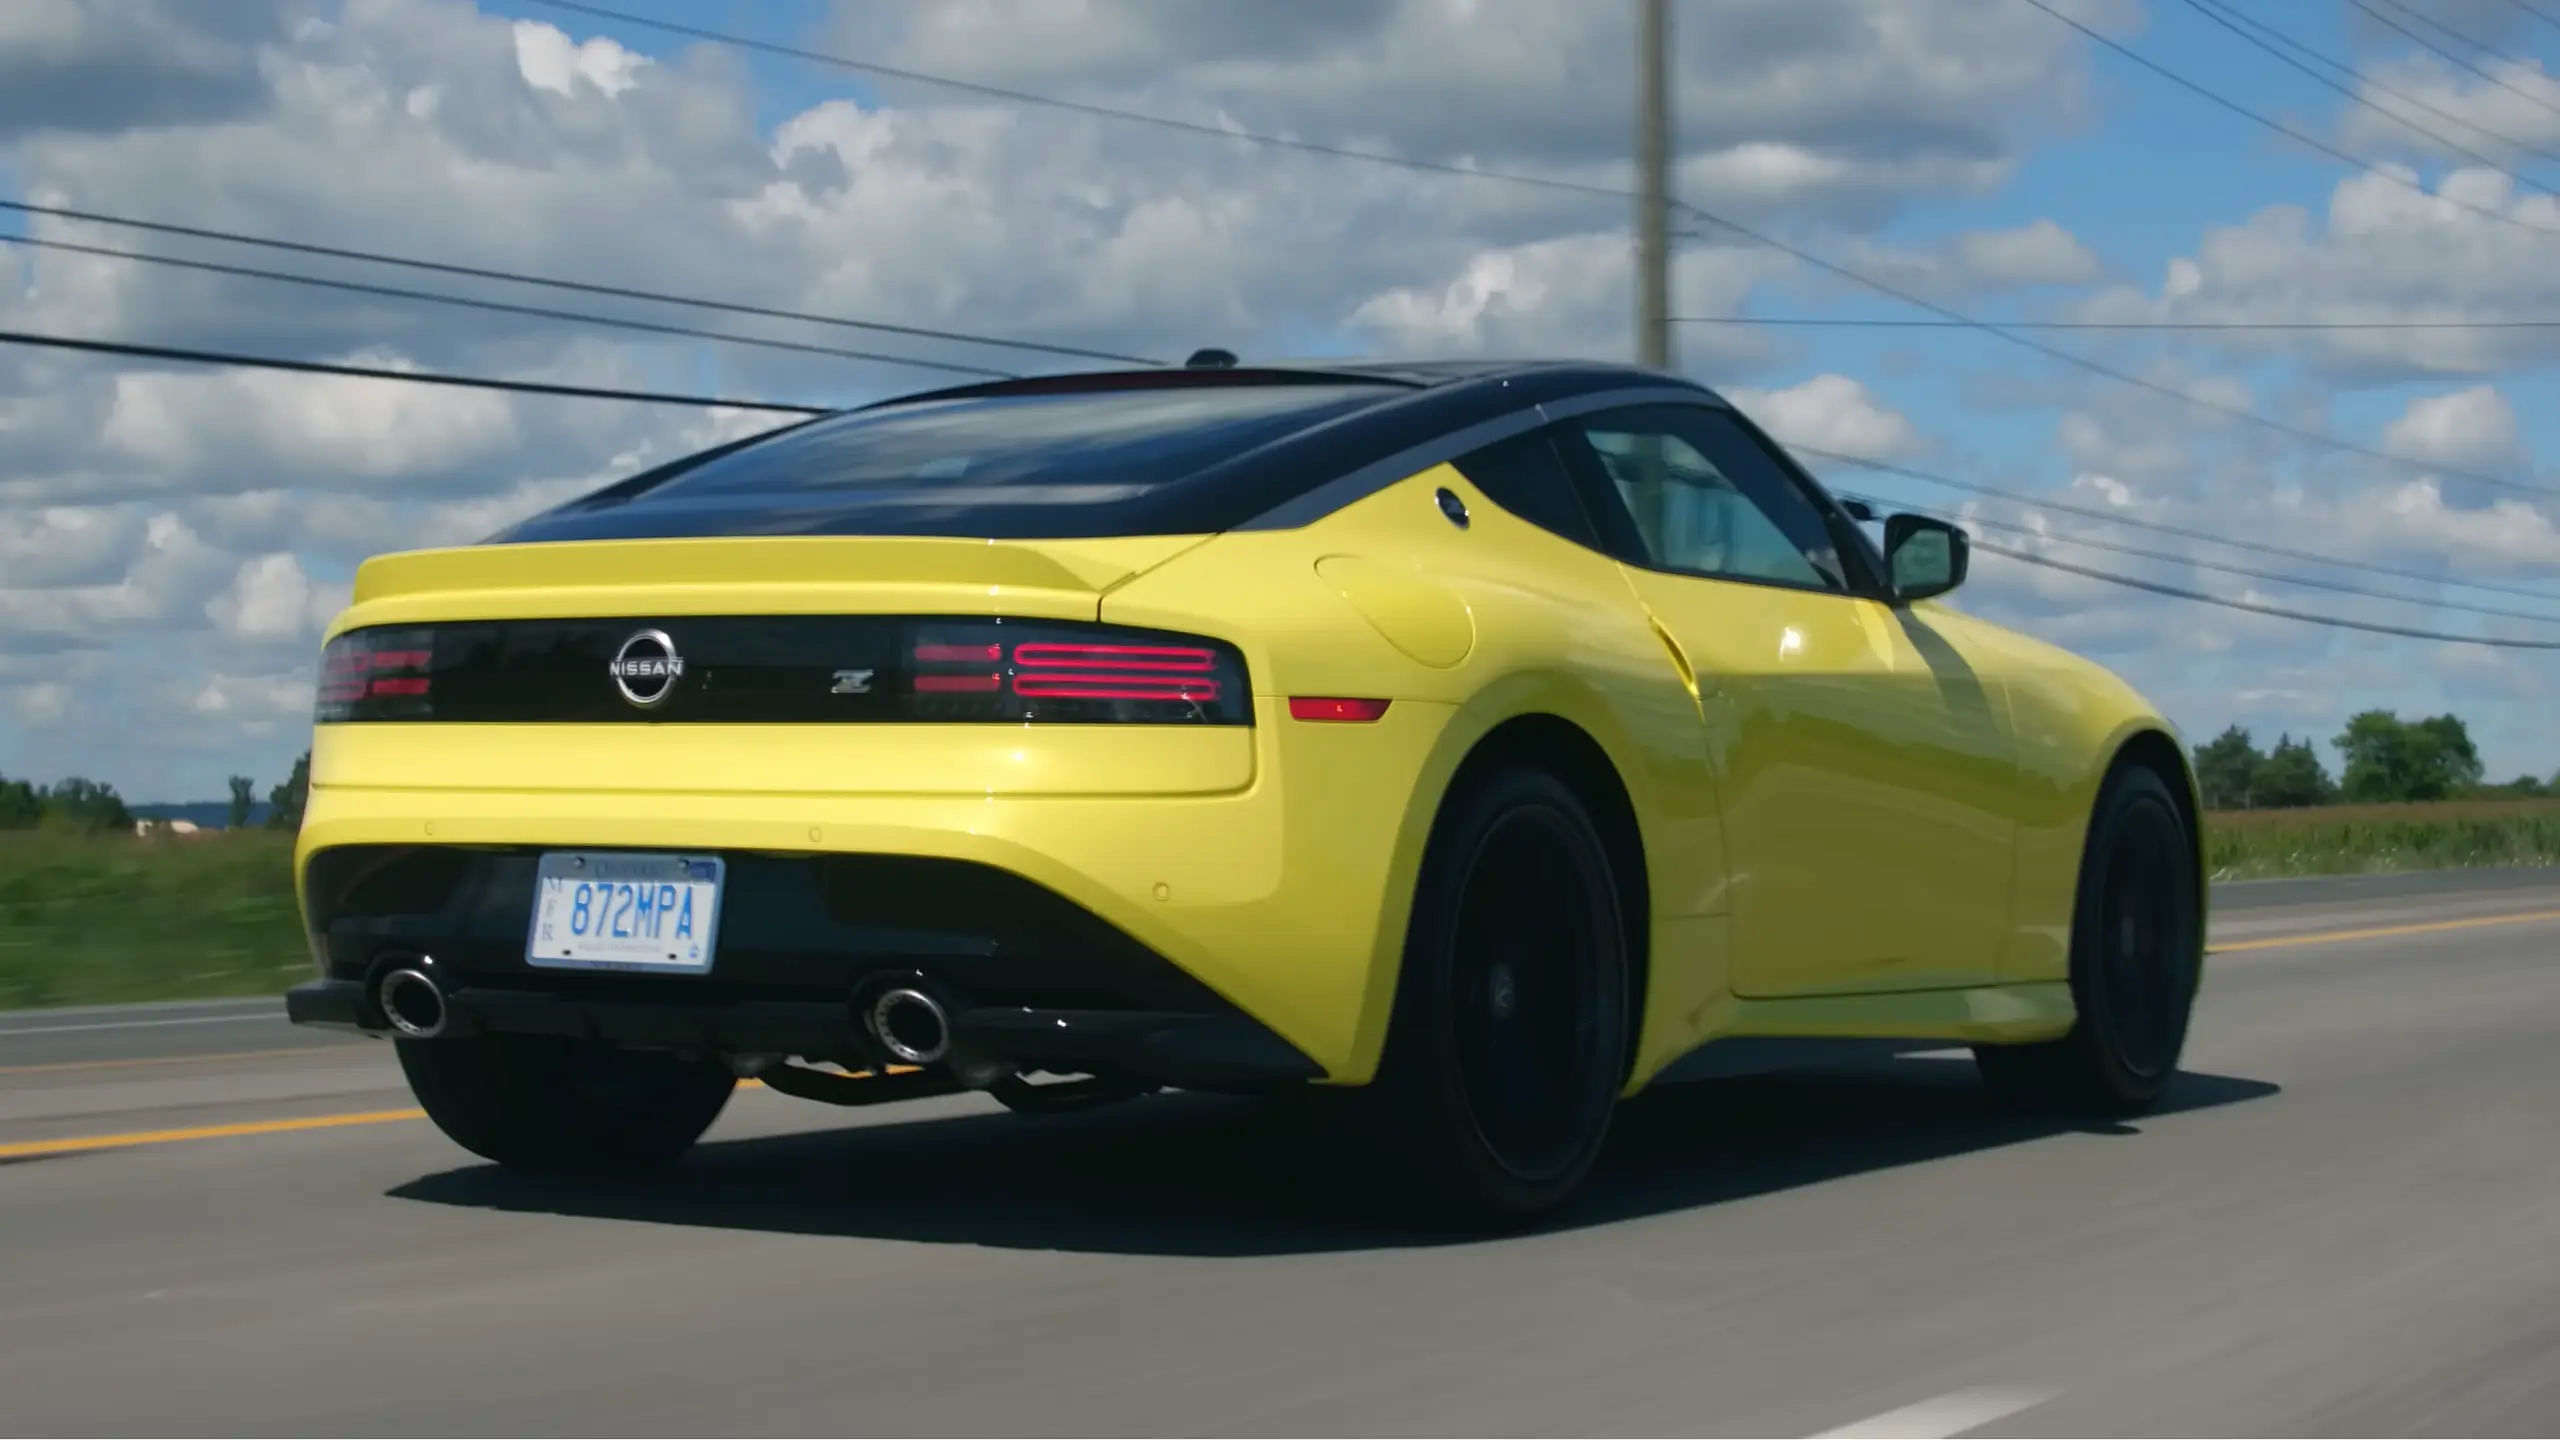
(2388, 760)
(79, 803)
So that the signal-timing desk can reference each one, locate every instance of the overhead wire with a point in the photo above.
(2278, 611)
(2424, 43)
(1747, 232)
(2299, 136)
(414, 377)
(2219, 567)
(2233, 19)
(2088, 512)
(502, 307)
(551, 282)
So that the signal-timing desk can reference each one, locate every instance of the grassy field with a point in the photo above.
(2362, 839)
(94, 919)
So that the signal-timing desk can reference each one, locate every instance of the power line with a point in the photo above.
(2281, 128)
(2427, 44)
(2232, 19)
(1078, 107)
(2096, 367)
(2169, 557)
(1437, 167)
(2538, 13)
(2278, 611)
(1904, 323)
(2257, 547)
(500, 306)
(415, 377)
(622, 292)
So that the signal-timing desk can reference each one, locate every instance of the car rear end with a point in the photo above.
(654, 774)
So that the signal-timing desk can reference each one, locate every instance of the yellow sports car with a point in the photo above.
(1481, 739)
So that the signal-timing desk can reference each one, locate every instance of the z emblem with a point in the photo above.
(852, 682)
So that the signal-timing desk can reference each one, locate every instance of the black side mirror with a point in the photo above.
(1925, 557)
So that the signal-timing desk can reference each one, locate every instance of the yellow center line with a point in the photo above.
(25, 1149)
(69, 1145)
(2385, 932)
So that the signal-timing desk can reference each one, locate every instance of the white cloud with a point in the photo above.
(1831, 412)
(549, 60)
(2472, 429)
(270, 598)
(2039, 254)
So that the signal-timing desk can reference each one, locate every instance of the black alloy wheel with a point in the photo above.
(541, 1103)
(2136, 957)
(1509, 1042)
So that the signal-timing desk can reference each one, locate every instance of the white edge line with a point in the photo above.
(1943, 1416)
(262, 1017)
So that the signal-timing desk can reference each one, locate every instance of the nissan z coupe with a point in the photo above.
(1471, 741)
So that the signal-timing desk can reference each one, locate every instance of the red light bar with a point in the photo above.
(1112, 687)
(958, 684)
(417, 686)
(1115, 657)
(1335, 707)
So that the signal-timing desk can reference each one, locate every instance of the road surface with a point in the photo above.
(2344, 1224)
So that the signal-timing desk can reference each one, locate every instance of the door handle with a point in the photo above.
(1698, 690)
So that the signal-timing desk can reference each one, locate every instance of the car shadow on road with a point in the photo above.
(1210, 1176)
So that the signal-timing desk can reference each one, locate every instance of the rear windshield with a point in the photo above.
(1058, 449)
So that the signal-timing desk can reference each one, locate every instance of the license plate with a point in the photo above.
(597, 910)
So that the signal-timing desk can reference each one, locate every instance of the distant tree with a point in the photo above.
(2226, 769)
(2390, 759)
(81, 804)
(244, 796)
(2292, 775)
(21, 804)
(287, 798)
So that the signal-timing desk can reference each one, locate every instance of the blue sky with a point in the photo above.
(170, 540)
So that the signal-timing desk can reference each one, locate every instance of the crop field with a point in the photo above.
(98, 918)
(2359, 839)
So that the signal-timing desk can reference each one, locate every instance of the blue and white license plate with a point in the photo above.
(611, 910)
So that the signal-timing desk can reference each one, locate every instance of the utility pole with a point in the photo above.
(1653, 184)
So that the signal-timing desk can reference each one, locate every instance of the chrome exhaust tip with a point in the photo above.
(910, 1025)
(413, 1004)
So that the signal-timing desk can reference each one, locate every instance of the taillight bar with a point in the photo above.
(783, 669)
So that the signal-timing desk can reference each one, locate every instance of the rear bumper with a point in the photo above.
(1194, 1052)
(1280, 904)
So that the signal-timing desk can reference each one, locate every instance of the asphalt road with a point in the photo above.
(2344, 1224)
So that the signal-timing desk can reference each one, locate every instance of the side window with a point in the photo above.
(1704, 497)
(1525, 476)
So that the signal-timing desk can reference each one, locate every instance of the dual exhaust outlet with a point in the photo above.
(907, 1020)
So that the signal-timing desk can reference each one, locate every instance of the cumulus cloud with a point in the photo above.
(1831, 412)
(2379, 252)
(2471, 429)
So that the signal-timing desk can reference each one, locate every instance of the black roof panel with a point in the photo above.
(1166, 450)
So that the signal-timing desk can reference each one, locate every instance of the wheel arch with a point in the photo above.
(2154, 748)
(1562, 747)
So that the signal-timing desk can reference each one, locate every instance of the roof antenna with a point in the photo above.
(1211, 360)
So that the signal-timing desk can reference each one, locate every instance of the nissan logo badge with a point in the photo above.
(645, 668)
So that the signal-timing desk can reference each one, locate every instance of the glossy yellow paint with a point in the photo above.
(1854, 819)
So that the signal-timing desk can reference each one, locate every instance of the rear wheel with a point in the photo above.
(534, 1102)
(2136, 952)
(1509, 1040)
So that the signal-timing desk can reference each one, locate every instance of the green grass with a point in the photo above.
(99, 918)
(2373, 839)
(96, 919)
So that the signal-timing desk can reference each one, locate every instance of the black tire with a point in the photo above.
(1508, 1043)
(2136, 955)
(533, 1102)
